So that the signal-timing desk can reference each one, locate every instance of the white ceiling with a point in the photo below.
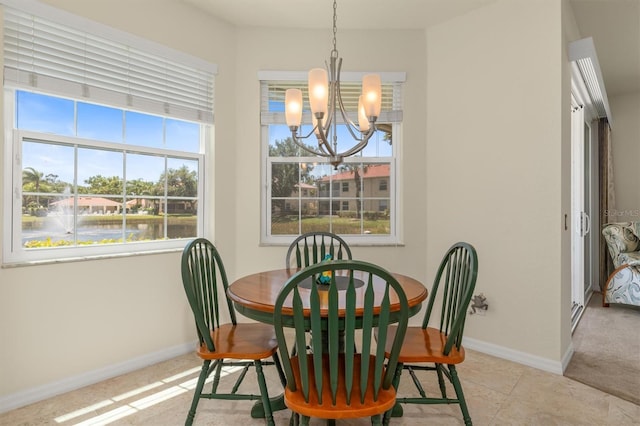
(613, 24)
(317, 14)
(615, 28)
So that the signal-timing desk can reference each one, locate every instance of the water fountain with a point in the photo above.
(57, 228)
(64, 211)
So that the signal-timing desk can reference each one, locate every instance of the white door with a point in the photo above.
(581, 252)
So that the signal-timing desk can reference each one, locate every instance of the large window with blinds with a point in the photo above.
(303, 192)
(106, 142)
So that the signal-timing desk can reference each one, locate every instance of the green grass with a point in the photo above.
(343, 226)
(284, 225)
(29, 221)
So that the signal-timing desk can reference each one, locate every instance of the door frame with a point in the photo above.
(584, 207)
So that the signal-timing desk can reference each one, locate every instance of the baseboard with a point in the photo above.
(29, 396)
(540, 363)
(40, 393)
(567, 356)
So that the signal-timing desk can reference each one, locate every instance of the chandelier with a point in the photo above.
(326, 101)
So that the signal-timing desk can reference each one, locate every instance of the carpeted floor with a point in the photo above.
(607, 349)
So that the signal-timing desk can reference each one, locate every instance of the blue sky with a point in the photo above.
(49, 114)
(65, 117)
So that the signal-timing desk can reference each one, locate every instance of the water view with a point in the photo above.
(55, 230)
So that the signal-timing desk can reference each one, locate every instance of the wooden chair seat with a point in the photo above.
(439, 350)
(426, 345)
(253, 341)
(336, 381)
(341, 410)
(232, 344)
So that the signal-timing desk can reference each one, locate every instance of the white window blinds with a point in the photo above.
(274, 84)
(57, 59)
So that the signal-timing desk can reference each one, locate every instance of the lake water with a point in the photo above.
(101, 232)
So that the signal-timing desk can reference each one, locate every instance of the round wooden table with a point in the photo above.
(254, 295)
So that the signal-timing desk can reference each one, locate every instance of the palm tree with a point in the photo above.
(356, 169)
(34, 177)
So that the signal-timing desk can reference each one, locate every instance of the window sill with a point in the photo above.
(87, 258)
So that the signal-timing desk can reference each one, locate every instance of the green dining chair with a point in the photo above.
(440, 349)
(333, 380)
(232, 344)
(312, 247)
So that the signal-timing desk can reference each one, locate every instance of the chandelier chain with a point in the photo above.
(324, 85)
(334, 52)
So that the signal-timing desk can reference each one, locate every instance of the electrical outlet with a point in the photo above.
(479, 305)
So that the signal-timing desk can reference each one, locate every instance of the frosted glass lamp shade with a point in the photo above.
(314, 122)
(372, 95)
(363, 121)
(293, 107)
(318, 91)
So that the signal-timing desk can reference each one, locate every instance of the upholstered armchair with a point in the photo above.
(623, 242)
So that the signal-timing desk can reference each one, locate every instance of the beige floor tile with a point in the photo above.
(530, 413)
(494, 373)
(498, 392)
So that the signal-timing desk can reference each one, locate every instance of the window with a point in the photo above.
(383, 185)
(99, 169)
(344, 199)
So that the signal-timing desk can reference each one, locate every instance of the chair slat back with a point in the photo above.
(324, 314)
(312, 247)
(457, 276)
(204, 278)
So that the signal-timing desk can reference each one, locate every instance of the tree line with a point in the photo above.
(180, 182)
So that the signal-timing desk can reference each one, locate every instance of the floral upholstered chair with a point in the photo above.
(623, 242)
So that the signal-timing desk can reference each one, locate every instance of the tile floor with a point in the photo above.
(498, 393)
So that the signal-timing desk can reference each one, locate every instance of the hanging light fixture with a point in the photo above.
(325, 101)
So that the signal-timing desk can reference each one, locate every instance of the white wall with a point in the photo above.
(495, 132)
(61, 324)
(482, 161)
(300, 50)
(625, 137)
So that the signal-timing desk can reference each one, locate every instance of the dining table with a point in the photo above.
(254, 296)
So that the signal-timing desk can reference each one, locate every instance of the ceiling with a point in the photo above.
(613, 24)
(615, 28)
(317, 14)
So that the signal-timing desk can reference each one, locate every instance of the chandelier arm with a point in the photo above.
(323, 144)
(331, 112)
(326, 148)
(350, 124)
(338, 93)
(307, 148)
(363, 136)
(323, 141)
(294, 134)
(353, 127)
(355, 149)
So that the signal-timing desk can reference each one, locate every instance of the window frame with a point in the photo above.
(397, 79)
(13, 252)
